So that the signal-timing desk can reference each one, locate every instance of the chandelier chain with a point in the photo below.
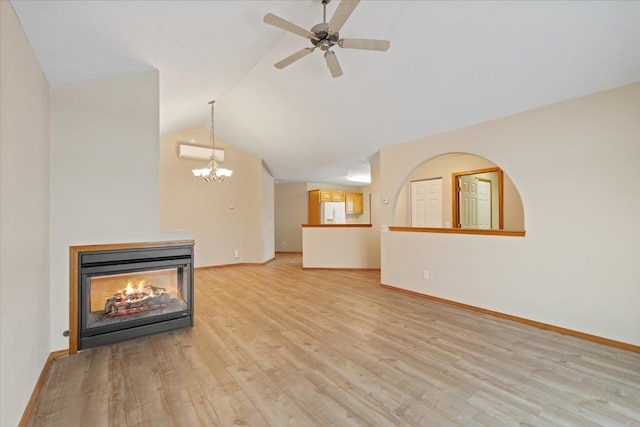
(213, 172)
(212, 137)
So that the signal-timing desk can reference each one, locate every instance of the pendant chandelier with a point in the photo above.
(213, 172)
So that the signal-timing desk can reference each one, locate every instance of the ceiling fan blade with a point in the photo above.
(342, 13)
(367, 44)
(332, 63)
(276, 21)
(293, 58)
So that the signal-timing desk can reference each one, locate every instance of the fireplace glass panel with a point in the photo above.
(117, 298)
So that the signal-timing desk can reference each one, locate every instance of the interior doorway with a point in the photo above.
(426, 203)
(484, 203)
(478, 199)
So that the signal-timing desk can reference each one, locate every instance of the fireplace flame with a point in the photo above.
(140, 289)
(136, 298)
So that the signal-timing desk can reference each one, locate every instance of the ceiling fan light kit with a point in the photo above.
(325, 36)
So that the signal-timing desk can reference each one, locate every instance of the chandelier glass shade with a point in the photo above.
(213, 172)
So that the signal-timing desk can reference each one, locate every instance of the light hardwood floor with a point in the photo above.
(277, 345)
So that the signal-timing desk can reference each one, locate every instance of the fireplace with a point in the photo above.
(131, 290)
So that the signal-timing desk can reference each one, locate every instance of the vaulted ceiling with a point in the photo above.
(450, 65)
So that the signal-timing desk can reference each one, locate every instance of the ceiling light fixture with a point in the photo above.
(365, 179)
(213, 172)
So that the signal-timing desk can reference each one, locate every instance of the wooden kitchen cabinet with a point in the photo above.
(314, 206)
(354, 203)
(324, 196)
(331, 196)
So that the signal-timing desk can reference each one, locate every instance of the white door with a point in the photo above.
(468, 207)
(484, 203)
(426, 203)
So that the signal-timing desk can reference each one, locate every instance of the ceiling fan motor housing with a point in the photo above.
(324, 39)
(325, 36)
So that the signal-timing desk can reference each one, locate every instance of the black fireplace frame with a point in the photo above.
(95, 263)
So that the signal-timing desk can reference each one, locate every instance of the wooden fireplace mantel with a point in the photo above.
(74, 251)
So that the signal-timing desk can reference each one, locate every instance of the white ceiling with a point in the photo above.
(450, 65)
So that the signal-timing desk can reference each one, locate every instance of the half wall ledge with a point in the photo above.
(352, 225)
(459, 231)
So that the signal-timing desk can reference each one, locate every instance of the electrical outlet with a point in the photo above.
(284, 243)
(425, 274)
(236, 253)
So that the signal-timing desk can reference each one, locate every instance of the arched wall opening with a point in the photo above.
(432, 195)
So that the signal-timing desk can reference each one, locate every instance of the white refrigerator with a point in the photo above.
(333, 213)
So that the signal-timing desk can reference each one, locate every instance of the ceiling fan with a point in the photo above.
(325, 35)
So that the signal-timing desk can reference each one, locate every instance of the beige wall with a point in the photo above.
(575, 165)
(268, 215)
(291, 205)
(443, 167)
(513, 210)
(339, 247)
(222, 216)
(104, 174)
(375, 206)
(24, 218)
(292, 210)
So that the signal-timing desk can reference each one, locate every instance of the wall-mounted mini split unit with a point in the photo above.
(198, 152)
